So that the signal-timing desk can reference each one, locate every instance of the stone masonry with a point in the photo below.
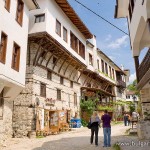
(24, 116)
(6, 121)
(144, 124)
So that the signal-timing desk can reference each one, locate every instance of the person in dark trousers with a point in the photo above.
(95, 122)
(106, 119)
(129, 119)
(125, 118)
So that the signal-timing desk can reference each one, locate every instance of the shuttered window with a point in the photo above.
(16, 57)
(61, 80)
(43, 90)
(49, 75)
(102, 63)
(19, 12)
(90, 60)
(64, 34)
(40, 18)
(7, 5)
(58, 94)
(3, 47)
(75, 99)
(58, 27)
(81, 50)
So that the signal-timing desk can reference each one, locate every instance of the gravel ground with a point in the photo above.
(79, 139)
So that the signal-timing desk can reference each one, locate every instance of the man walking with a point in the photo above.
(106, 119)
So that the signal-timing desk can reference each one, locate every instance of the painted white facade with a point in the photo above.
(52, 12)
(12, 81)
(97, 55)
(138, 16)
(138, 24)
(36, 75)
(8, 76)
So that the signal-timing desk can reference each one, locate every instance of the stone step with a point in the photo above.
(133, 131)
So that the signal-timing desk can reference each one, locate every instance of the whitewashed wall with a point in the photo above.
(17, 34)
(52, 12)
(11, 80)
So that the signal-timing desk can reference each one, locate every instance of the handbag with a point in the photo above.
(89, 124)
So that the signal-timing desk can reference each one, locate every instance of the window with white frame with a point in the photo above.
(58, 27)
(40, 18)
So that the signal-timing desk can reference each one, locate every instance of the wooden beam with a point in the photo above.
(49, 59)
(136, 61)
(40, 54)
(74, 68)
(46, 51)
(107, 85)
(77, 71)
(113, 90)
(67, 67)
(86, 79)
(90, 79)
(80, 76)
(57, 60)
(43, 57)
(95, 83)
(62, 65)
(39, 48)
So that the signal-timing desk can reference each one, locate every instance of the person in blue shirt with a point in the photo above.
(95, 122)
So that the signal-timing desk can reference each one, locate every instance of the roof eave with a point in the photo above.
(31, 4)
(72, 15)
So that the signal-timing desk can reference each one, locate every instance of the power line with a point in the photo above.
(101, 17)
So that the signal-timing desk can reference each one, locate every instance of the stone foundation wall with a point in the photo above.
(144, 124)
(145, 99)
(24, 116)
(6, 121)
(143, 129)
(24, 120)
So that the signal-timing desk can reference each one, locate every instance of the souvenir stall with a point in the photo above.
(58, 121)
(51, 121)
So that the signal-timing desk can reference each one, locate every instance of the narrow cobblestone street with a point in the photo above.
(74, 140)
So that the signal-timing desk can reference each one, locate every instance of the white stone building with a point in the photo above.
(102, 78)
(132, 97)
(62, 66)
(56, 53)
(138, 16)
(14, 19)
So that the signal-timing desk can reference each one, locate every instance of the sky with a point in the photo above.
(110, 40)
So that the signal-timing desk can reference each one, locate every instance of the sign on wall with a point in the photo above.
(50, 102)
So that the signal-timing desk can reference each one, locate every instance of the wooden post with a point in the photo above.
(136, 60)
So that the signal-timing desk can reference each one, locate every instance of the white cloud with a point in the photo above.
(119, 42)
(132, 77)
(109, 36)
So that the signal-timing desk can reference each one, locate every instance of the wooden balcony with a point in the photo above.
(121, 83)
(144, 66)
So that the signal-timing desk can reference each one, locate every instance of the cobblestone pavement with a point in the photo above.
(74, 140)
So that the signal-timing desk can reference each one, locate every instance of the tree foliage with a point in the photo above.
(132, 87)
(88, 105)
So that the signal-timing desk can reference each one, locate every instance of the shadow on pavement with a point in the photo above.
(83, 143)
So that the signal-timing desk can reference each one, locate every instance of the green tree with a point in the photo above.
(133, 87)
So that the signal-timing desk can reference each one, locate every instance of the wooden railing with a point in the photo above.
(121, 83)
(144, 66)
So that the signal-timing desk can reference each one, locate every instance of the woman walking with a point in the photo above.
(95, 122)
